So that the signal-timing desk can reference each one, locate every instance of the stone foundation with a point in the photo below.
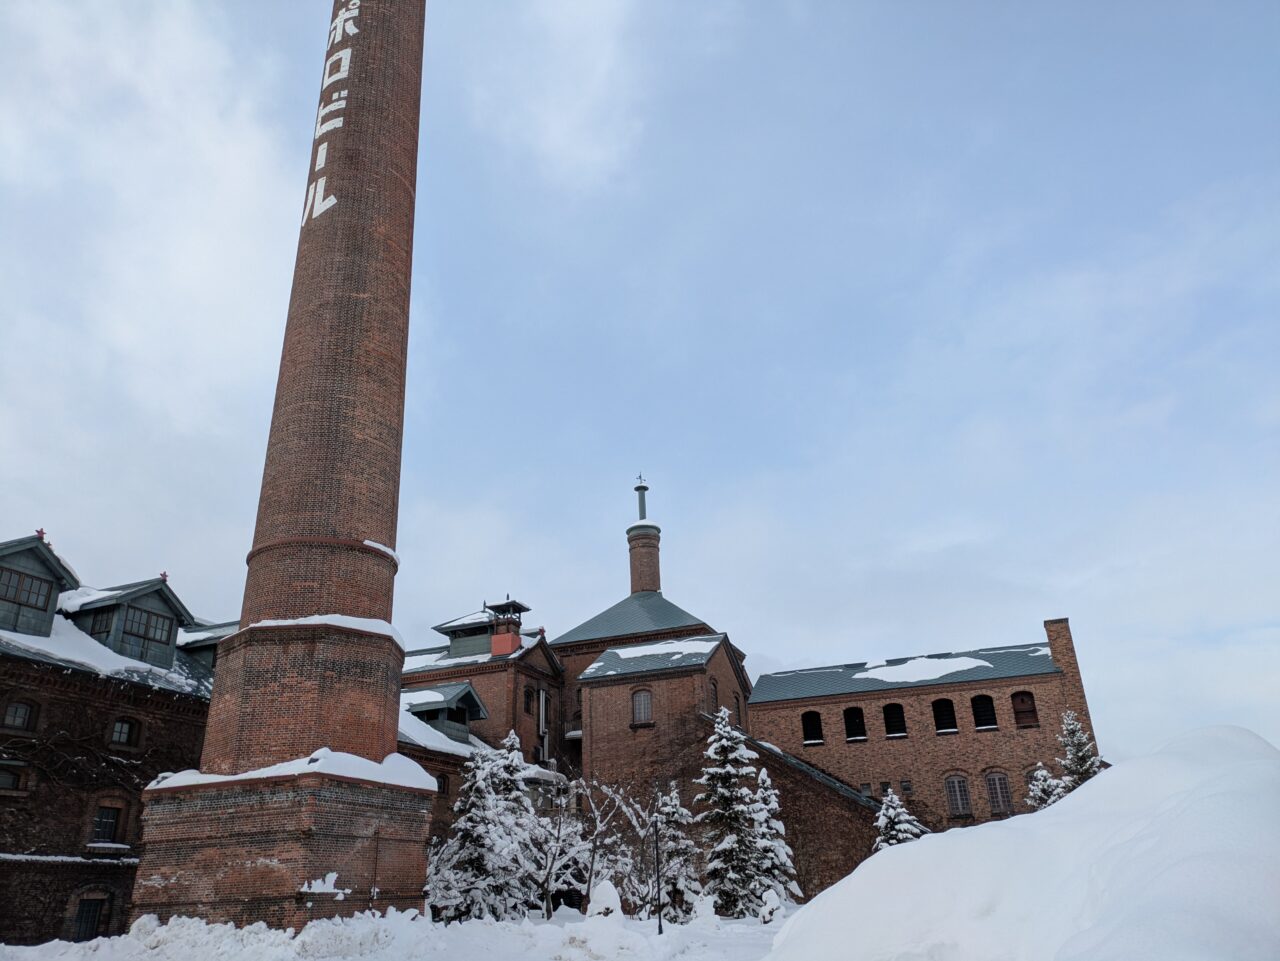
(242, 851)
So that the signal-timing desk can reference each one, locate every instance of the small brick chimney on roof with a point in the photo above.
(642, 540)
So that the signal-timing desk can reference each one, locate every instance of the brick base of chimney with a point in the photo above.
(243, 852)
(505, 643)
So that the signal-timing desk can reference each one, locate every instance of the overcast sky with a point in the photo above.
(926, 322)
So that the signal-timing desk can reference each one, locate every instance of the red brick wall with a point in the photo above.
(71, 769)
(924, 758)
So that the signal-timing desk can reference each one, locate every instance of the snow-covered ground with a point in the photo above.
(1174, 857)
(400, 937)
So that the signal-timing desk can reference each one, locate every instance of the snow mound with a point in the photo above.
(1173, 856)
(400, 936)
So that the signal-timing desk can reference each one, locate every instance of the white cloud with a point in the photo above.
(560, 83)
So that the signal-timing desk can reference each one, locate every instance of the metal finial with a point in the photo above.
(640, 491)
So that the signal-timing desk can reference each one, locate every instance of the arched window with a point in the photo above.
(124, 732)
(811, 727)
(642, 707)
(984, 712)
(855, 725)
(442, 785)
(1024, 709)
(944, 716)
(998, 793)
(528, 700)
(895, 720)
(737, 710)
(715, 696)
(20, 715)
(958, 804)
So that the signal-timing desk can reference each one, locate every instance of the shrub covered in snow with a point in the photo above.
(895, 824)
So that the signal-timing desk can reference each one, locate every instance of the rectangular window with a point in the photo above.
(18, 714)
(25, 589)
(998, 792)
(88, 919)
(866, 790)
(146, 634)
(10, 776)
(885, 788)
(101, 624)
(906, 787)
(641, 707)
(106, 825)
(122, 731)
(958, 797)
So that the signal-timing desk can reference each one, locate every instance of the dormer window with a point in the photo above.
(100, 626)
(146, 635)
(25, 589)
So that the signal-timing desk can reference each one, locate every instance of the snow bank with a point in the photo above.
(393, 769)
(1174, 856)
(403, 936)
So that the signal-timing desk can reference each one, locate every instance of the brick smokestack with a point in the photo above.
(642, 541)
(315, 664)
(331, 483)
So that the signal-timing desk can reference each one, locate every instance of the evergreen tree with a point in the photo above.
(680, 886)
(775, 871)
(1045, 789)
(489, 866)
(730, 820)
(1082, 761)
(895, 823)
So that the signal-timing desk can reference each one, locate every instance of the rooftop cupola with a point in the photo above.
(506, 626)
(642, 540)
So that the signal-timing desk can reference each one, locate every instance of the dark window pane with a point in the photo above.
(159, 628)
(10, 777)
(34, 592)
(811, 727)
(866, 790)
(106, 823)
(101, 624)
(895, 719)
(9, 584)
(1024, 710)
(122, 732)
(135, 622)
(855, 725)
(18, 715)
(984, 711)
(906, 787)
(944, 715)
(88, 919)
(885, 787)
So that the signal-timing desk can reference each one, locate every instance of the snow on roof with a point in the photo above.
(677, 654)
(637, 613)
(69, 645)
(69, 602)
(394, 769)
(424, 735)
(208, 632)
(988, 663)
(430, 658)
(474, 619)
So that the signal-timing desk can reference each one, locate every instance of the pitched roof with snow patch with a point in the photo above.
(639, 613)
(985, 664)
(67, 577)
(677, 655)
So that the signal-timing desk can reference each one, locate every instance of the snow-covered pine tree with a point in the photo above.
(488, 867)
(681, 887)
(895, 823)
(1044, 789)
(729, 818)
(775, 870)
(1082, 761)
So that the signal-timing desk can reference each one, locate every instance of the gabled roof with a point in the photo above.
(677, 655)
(640, 613)
(437, 697)
(984, 664)
(67, 578)
(438, 658)
(88, 598)
(478, 619)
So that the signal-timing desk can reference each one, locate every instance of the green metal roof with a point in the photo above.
(67, 578)
(984, 664)
(679, 654)
(434, 697)
(640, 613)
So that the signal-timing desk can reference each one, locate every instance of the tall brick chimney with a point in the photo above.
(642, 540)
(316, 664)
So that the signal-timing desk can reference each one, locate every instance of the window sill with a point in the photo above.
(1027, 727)
(854, 740)
(949, 730)
(636, 725)
(107, 847)
(14, 792)
(894, 737)
(988, 727)
(813, 743)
